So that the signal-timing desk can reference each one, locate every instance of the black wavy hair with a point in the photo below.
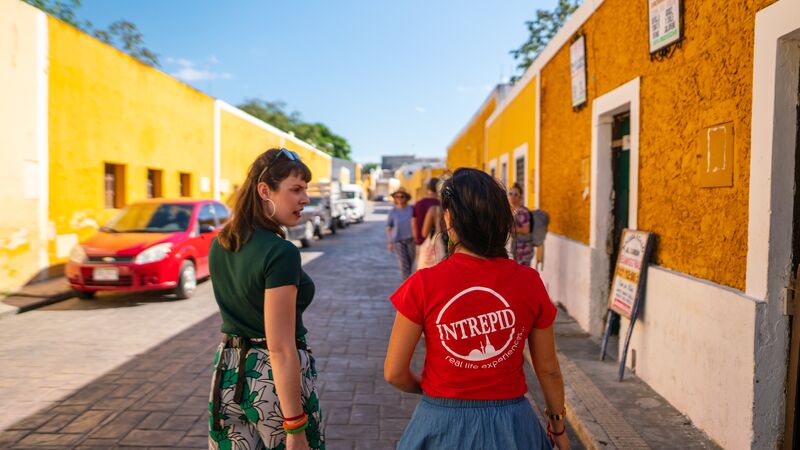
(479, 211)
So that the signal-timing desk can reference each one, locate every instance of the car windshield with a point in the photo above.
(348, 195)
(151, 218)
(315, 201)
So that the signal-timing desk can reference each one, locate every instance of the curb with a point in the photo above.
(20, 302)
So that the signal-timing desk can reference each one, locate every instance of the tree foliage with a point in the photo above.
(541, 30)
(369, 166)
(122, 34)
(316, 134)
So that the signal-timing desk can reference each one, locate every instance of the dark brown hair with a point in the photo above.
(479, 212)
(248, 210)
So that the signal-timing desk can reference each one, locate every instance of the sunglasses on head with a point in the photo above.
(290, 155)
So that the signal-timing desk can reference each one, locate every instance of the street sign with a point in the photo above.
(665, 23)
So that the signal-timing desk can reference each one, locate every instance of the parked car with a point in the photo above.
(304, 231)
(353, 197)
(150, 245)
(331, 193)
(321, 208)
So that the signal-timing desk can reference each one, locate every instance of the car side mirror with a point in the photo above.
(206, 228)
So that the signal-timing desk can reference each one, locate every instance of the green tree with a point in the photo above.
(541, 30)
(121, 34)
(124, 36)
(316, 134)
(369, 166)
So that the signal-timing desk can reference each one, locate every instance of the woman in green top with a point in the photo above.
(262, 393)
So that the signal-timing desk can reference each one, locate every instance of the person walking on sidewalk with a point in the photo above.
(522, 238)
(477, 308)
(421, 209)
(263, 391)
(399, 237)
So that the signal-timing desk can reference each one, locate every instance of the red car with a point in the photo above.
(151, 245)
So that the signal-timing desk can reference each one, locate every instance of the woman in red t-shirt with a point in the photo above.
(477, 309)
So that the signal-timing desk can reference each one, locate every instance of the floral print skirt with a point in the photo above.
(256, 421)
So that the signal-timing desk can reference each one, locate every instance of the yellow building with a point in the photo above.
(468, 148)
(695, 144)
(23, 144)
(414, 178)
(511, 139)
(119, 131)
(92, 130)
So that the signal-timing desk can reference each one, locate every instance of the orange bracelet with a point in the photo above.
(295, 425)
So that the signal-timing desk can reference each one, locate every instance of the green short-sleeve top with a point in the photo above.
(239, 278)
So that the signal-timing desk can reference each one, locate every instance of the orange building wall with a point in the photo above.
(702, 232)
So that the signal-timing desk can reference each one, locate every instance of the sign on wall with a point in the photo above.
(665, 23)
(627, 283)
(577, 59)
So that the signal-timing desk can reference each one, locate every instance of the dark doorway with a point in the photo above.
(621, 170)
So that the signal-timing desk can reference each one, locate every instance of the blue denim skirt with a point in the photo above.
(445, 423)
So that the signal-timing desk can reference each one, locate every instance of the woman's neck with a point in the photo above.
(463, 250)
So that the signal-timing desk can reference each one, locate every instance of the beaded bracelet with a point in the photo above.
(299, 429)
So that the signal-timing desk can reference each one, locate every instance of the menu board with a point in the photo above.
(634, 252)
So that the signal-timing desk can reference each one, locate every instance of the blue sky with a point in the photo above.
(398, 77)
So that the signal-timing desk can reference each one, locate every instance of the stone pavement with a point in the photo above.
(158, 399)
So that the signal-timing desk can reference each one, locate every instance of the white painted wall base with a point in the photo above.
(695, 345)
(566, 276)
(694, 341)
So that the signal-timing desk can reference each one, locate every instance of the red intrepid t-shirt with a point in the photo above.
(476, 315)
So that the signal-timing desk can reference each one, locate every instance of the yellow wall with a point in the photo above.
(240, 143)
(467, 150)
(105, 106)
(319, 163)
(512, 127)
(21, 245)
(702, 232)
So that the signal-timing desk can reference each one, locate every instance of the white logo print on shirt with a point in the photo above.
(468, 335)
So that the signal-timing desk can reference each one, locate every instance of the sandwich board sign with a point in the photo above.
(628, 284)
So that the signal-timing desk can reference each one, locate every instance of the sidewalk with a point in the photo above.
(608, 414)
(36, 295)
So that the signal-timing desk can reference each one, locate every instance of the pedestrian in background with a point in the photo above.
(522, 237)
(263, 389)
(432, 250)
(477, 308)
(399, 237)
(421, 209)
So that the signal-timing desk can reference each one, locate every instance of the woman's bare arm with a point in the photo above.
(397, 366)
(280, 310)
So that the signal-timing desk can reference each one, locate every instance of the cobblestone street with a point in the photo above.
(137, 373)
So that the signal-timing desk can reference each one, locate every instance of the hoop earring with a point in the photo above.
(274, 208)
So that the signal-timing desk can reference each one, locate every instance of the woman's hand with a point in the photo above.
(298, 442)
(561, 442)
(390, 247)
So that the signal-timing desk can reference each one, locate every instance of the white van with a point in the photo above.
(353, 197)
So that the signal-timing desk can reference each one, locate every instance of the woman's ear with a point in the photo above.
(263, 191)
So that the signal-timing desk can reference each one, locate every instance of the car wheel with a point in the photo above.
(85, 295)
(318, 232)
(333, 226)
(187, 280)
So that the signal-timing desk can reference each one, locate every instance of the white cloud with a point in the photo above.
(420, 109)
(188, 70)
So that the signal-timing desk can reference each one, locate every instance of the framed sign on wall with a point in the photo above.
(665, 24)
(577, 60)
